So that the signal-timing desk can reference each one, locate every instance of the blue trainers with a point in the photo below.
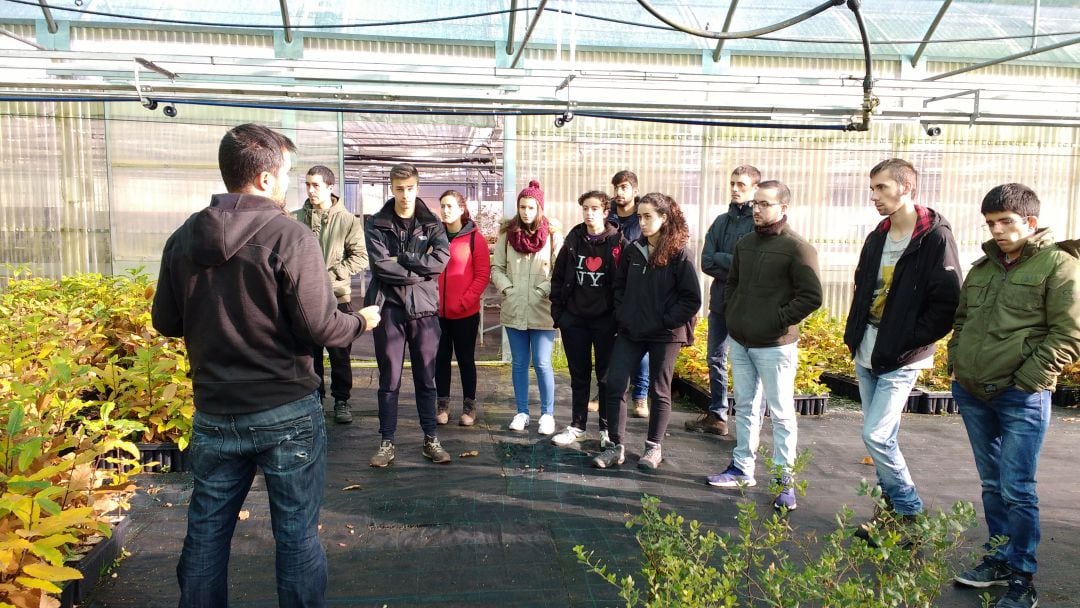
(732, 477)
(785, 500)
(1021, 594)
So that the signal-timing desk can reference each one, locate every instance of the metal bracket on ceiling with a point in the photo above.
(148, 103)
(975, 105)
(567, 114)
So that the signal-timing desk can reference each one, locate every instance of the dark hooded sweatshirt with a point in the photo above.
(245, 285)
(583, 280)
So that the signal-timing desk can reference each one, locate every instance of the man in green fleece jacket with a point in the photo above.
(1016, 328)
(772, 285)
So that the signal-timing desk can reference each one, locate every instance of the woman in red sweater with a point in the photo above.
(460, 286)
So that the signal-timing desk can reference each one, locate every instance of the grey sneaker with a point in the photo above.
(442, 410)
(384, 456)
(611, 457)
(342, 412)
(989, 572)
(434, 451)
(1021, 594)
(652, 457)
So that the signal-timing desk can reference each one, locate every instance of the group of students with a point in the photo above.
(1015, 323)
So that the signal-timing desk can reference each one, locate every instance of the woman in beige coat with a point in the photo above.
(524, 256)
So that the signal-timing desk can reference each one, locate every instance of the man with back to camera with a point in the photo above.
(624, 215)
(408, 249)
(244, 285)
(716, 254)
(1017, 327)
(907, 285)
(341, 237)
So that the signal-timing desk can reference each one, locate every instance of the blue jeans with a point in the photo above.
(764, 373)
(640, 384)
(1006, 436)
(883, 398)
(534, 345)
(288, 443)
(717, 355)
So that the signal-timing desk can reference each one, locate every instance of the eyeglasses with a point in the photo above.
(762, 204)
(1006, 223)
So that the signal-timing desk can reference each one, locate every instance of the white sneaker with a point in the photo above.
(567, 436)
(605, 440)
(519, 422)
(547, 424)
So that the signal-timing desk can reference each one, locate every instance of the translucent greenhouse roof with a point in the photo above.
(969, 30)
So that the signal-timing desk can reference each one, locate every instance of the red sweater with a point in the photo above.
(466, 274)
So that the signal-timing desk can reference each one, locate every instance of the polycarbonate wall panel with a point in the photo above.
(160, 42)
(54, 214)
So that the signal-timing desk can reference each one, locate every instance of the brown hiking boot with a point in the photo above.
(641, 408)
(707, 423)
(434, 451)
(468, 413)
(442, 410)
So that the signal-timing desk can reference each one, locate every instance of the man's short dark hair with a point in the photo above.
(625, 176)
(900, 171)
(324, 172)
(783, 194)
(605, 202)
(1012, 198)
(404, 171)
(247, 151)
(749, 171)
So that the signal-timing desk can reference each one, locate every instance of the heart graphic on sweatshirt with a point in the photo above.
(593, 264)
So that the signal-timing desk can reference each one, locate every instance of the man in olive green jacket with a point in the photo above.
(341, 237)
(1017, 326)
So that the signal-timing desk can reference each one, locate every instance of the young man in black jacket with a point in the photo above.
(726, 230)
(407, 249)
(245, 286)
(907, 286)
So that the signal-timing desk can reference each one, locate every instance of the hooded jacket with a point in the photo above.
(655, 303)
(583, 282)
(411, 280)
(629, 226)
(719, 248)
(466, 275)
(772, 286)
(1019, 327)
(524, 280)
(341, 237)
(244, 285)
(921, 304)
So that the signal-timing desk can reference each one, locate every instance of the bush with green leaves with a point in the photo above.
(767, 562)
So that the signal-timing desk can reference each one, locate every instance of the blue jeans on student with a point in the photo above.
(640, 383)
(1006, 436)
(288, 443)
(883, 398)
(532, 345)
(765, 374)
(717, 358)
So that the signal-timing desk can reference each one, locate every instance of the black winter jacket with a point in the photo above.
(583, 280)
(411, 281)
(922, 300)
(719, 249)
(245, 285)
(655, 304)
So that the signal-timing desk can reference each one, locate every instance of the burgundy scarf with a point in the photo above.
(528, 242)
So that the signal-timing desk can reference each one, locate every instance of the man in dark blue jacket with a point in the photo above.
(907, 287)
(245, 286)
(716, 255)
(407, 249)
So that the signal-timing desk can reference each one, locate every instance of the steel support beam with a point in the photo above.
(510, 28)
(727, 26)
(930, 32)
(285, 20)
(1035, 25)
(528, 33)
(48, 17)
(985, 64)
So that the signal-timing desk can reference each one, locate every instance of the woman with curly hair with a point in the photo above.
(657, 297)
(524, 257)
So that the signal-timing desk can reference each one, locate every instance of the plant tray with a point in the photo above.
(1066, 396)
(914, 403)
(156, 458)
(811, 405)
(814, 405)
(937, 402)
(94, 564)
(841, 385)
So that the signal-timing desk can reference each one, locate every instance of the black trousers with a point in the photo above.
(340, 366)
(458, 338)
(624, 362)
(584, 339)
(393, 333)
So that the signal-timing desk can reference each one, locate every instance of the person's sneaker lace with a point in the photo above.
(652, 457)
(384, 456)
(434, 451)
(1021, 594)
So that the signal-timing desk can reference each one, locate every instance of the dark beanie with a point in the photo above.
(533, 191)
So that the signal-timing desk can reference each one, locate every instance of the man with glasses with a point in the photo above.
(907, 284)
(1017, 326)
(726, 230)
(772, 285)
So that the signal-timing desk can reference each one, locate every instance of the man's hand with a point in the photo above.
(370, 315)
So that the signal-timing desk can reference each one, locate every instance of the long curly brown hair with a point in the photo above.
(674, 234)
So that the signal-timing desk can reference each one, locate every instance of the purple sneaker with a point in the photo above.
(732, 477)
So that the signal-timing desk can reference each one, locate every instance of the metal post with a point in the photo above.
(930, 32)
(284, 20)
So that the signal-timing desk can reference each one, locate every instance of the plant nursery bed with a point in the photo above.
(157, 458)
(938, 402)
(811, 405)
(94, 563)
(1066, 396)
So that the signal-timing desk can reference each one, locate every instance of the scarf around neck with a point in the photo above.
(528, 242)
(772, 229)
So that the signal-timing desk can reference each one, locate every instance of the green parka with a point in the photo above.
(1017, 328)
(341, 236)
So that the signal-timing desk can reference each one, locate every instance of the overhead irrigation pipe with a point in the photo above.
(869, 101)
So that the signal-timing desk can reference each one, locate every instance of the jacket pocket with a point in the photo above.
(1023, 292)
